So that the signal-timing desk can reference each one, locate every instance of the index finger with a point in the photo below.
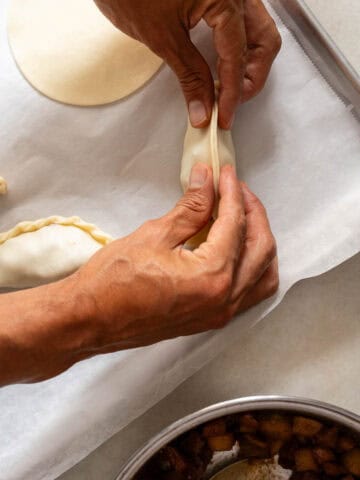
(229, 35)
(264, 42)
(227, 235)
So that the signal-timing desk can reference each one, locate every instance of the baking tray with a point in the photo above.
(322, 50)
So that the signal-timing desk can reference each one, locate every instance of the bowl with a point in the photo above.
(313, 408)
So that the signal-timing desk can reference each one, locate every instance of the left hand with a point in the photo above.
(245, 37)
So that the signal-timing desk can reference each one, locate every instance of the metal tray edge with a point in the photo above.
(321, 49)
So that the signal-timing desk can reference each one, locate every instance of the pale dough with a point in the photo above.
(35, 253)
(3, 186)
(70, 52)
(210, 145)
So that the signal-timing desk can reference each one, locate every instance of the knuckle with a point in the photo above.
(225, 10)
(194, 202)
(239, 221)
(273, 285)
(226, 15)
(269, 245)
(219, 288)
(252, 89)
(273, 36)
(191, 80)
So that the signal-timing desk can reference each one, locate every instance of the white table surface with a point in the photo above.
(316, 329)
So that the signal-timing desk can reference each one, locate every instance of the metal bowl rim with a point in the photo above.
(260, 402)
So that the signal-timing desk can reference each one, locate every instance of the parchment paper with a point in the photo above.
(298, 147)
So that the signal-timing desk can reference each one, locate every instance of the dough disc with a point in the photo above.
(70, 52)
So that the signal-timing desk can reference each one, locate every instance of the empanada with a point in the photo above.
(35, 253)
(210, 145)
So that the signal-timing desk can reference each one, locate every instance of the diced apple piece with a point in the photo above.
(305, 460)
(323, 455)
(351, 461)
(276, 427)
(214, 428)
(306, 427)
(345, 443)
(221, 443)
(327, 437)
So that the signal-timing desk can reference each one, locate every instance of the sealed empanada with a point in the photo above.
(35, 253)
(210, 145)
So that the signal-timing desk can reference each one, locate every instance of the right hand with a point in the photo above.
(146, 287)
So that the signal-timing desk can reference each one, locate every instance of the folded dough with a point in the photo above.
(70, 52)
(210, 145)
(35, 253)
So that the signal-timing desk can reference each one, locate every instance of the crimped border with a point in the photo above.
(33, 226)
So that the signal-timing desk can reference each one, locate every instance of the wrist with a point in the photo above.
(72, 331)
(43, 331)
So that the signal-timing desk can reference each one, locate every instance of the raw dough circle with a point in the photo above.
(70, 52)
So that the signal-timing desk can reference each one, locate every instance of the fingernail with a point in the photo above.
(198, 175)
(197, 113)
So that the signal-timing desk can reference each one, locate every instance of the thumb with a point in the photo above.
(194, 209)
(195, 79)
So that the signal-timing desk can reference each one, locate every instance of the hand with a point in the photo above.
(245, 38)
(146, 287)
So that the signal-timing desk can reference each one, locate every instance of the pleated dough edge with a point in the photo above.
(33, 226)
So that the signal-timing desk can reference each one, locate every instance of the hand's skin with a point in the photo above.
(245, 38)
(145, 288)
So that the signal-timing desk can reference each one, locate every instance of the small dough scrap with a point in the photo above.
(210, 145)
(40, 252)
(69, 51)
(3, 186)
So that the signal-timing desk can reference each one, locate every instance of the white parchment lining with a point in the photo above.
(297, 146)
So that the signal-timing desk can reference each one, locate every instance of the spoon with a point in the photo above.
(243, 470)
